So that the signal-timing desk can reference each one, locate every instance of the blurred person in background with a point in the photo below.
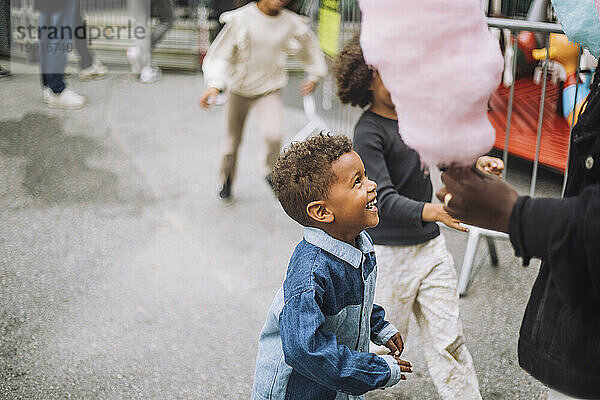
(56, 30)
(90, 66)
(249, 57)
(140, 55)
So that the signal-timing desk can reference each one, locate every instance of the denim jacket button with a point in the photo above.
(589, 162)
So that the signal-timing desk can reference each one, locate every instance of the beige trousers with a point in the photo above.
(421, 280)
(269, 110)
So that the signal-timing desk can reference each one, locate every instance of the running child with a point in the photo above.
(417, 274)
(248, 58)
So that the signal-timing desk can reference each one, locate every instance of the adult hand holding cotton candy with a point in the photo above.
(441, 65)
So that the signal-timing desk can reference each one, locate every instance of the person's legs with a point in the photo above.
(43, 20)
(269, 110)
(53, 63)
(139, 10)
(398, 281)
(86, 57)
(237, 110)
(163, 9)
(53, 57)
(437, 311)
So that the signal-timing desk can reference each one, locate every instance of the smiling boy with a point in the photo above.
(314, 344)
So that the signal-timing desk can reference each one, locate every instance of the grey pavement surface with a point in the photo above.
(123, 277)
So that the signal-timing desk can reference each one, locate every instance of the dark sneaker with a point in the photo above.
(225, 192)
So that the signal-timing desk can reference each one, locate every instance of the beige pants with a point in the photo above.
(421, 280)
(269, 109)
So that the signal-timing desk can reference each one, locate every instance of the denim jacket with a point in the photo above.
(315, 342)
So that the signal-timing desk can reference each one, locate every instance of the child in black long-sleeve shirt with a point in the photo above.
(417, 274)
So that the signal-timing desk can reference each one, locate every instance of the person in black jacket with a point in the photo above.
(416, 270)
(559, 341)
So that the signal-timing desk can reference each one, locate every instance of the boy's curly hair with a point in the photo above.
(353, 75)
(303, 173)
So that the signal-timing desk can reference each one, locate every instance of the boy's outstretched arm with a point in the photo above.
(314, 352)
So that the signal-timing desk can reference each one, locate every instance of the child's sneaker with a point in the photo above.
(67, 100)
(150, 75)
(95, 71)
(133, 56)
(225, 191)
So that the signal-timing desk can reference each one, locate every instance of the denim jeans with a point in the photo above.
(53, 47)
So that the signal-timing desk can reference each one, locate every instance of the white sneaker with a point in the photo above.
(133, 56)
(67, 100)
(150, 75)
(95, 71)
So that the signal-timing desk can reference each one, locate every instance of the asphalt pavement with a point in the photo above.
(122, 276)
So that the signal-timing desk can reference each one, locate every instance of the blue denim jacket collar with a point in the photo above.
(342, 250)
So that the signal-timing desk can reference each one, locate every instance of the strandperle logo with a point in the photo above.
(88, 33)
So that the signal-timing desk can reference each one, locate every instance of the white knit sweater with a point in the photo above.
(249, 55)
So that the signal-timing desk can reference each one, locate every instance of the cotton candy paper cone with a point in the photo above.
(441, 65)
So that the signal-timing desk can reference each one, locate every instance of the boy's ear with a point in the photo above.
(318, 212)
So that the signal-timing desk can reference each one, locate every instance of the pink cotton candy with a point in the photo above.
(441, 65)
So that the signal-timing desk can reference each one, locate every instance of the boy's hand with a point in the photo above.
(395, 344)
(436, 213)
(208, 97)
(405, 366)
(491, 165)
(306, 87)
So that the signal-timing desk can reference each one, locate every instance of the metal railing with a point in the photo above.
(516, 26)
(342, 118)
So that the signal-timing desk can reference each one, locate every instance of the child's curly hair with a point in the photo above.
(353, 75)
(303, 173)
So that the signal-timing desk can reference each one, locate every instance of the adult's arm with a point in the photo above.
(564, 233)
